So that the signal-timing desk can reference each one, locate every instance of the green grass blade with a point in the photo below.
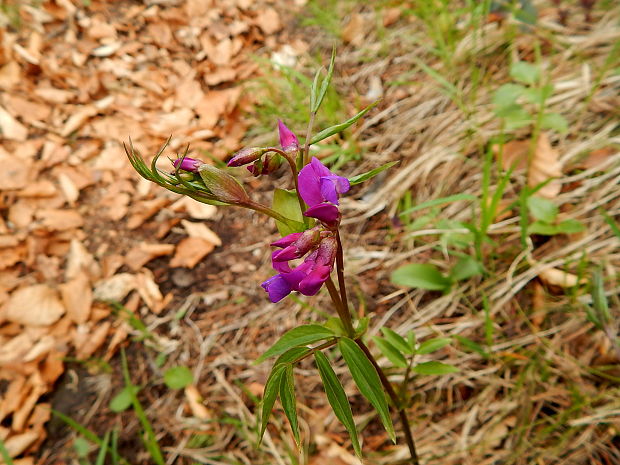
(4, 453)
(103, 450)
(325, 83)
(370, 174)
(367, 380)
(337, 398)
(150, 441)
(441, 201)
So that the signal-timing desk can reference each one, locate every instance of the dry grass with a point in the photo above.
(547, 393)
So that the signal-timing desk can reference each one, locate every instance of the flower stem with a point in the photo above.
(293, 166)
(402, 413)
(343, 312)
(306, 151)
(340, 272)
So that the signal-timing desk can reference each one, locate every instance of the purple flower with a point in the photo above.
(188, 164)
(308, 277)
(319, 185)
(247, 155)
(288, 140)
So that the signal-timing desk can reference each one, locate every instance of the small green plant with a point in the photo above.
(522, 103)
(546, 223)
(428, 276)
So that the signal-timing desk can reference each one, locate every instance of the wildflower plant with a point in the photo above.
(308, 218)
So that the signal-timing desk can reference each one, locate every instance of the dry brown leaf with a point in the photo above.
(545, 164)
(353, 32)
(188, 94)
(195, 209)
(513, 154)
(142, 211)
(79, 259)
(68, 188)
(149, 291)
(88, 340)
(77, 296)
(15, 172)
(190, 251)
(55, 219)
(10, 128)
(268, 20)
(18, 443)
(598, 157)
(194, 400)
(37, 305)
(78, 118)
(143, 253)
(202, 231)
(115, 288)
(560, 278)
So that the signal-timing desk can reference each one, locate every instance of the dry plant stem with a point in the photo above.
(402, 414)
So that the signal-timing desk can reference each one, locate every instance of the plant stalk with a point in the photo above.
(343, 312)
(402, 414)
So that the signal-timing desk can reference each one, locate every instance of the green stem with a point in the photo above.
(306, 151)
(266, 211)
(343, 313)
(402, 413)
(340, 272)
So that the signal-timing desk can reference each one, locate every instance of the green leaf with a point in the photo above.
(300, 336)
(315, 87)
(542, 228)
(433, 345)
(122, 400)
(466, 268)
(325, 83)
(525, 72)
(286, 204)
(422, 276)
(287, 398)
(515, 116)
(81, 447)
(391, 352)
(370, 174)
(554, 121)
(178, 377)
(367, 380)
(398, 341)
(570, 226)
(411, 339)
(325, 133)
(337, 398)
(362, 326)
(538, 96)
(225, 187)
(434, 368)
(507, 95)
(542, 209)
(269, 397)
(472, 345)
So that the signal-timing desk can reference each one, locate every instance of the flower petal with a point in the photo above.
(311, 284)
(332, 186)
(324, 212)
(277, 288)
(288, 139)
(287, 240)
(310, 185)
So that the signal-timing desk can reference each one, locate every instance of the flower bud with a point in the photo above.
(288, 140)
(224, 186)
(187, 164)
(247, 155)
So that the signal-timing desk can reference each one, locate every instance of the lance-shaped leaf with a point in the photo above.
(269, 397)
(287, 398)
(392, 353)
(325, 133)
(296, 337)
(398, 341)
(434, 368)
(367, 380)
(433, 345)
(337, 398)
(224, 186)
(370, 174)
(316, 100)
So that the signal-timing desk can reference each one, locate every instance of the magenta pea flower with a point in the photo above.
(320, 189)
(187, 164)
(308, 277)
